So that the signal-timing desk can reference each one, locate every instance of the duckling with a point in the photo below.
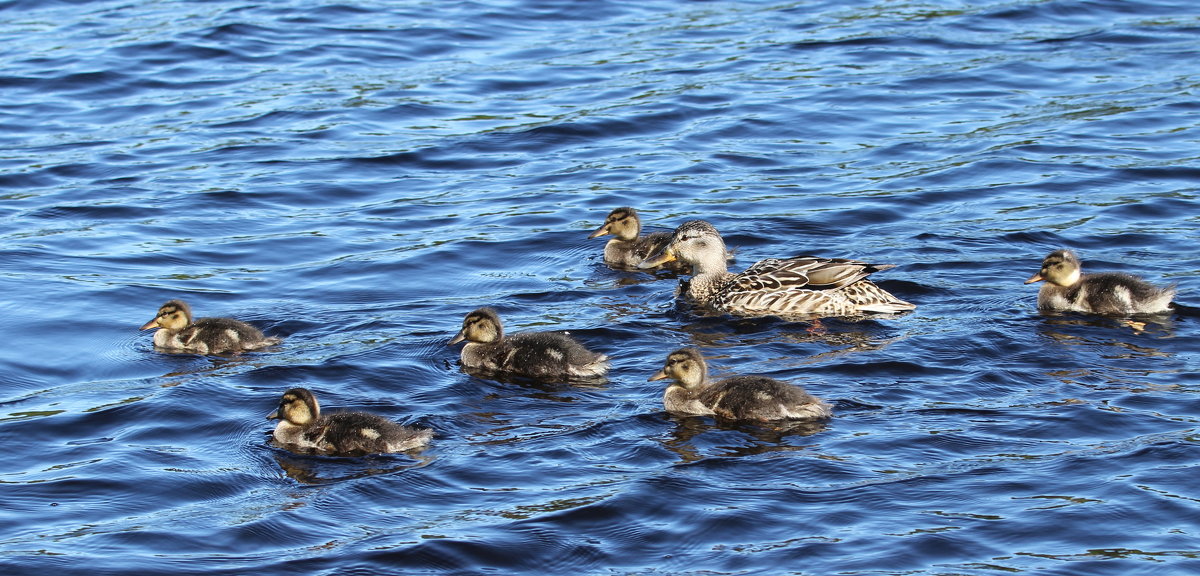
(804, 285)
(626, 249)
(736, 398)
(177, 331)
(303, 429)
(538, 355)
(1068, 289)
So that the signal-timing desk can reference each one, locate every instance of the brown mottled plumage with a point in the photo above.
(736, 398)
(539, 355)
(303, 429)
(1068, 289)
(177, 331)
(805, 285)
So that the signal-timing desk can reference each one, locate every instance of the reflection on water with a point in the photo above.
(321, 470)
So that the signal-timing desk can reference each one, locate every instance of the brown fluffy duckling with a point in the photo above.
(736, 398)
(627, 248)
(539, 355)
(177, 331)
(303, 429)
(1068, 289)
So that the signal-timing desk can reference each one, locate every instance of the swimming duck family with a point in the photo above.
(178, 331)
(805, 285)
(537, 355)
(628, 248)
(1068, 289)
(737, 398)
(303, 429)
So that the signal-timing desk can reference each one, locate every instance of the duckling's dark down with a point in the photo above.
(303, 429)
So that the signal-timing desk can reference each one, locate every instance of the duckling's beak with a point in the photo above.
(274, 415)
(667, 255)
(151, 324)
(660, 375)
(1035, 278)
(600, 231)
(457, 338)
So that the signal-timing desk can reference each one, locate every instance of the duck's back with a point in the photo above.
(357, 433)
(762, 398)
(218, 335)
(806, 285)
(550, 354)
(1107, 293)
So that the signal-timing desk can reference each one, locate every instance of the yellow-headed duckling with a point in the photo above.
(303, 429)
(737, 398)
(627, 248)
(1068, 289)
(178, 331)
(543, 356)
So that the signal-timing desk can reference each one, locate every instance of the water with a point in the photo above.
(357, 177)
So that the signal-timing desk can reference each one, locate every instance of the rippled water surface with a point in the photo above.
(356, 177)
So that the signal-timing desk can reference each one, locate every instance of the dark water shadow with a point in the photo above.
(315, 470)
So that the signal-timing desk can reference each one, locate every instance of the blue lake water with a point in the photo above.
(356, 177)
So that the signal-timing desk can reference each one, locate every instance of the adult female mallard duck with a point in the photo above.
(1068, 289)
(177, 331)
(626, 249)
(805, 285)
(539, 355)
(303, 429)
(736, 398)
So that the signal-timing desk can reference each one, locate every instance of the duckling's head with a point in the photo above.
(622, 223)
(695, 242)
(1060, 268)
(298, 406)
(685, 366)
(482, 326)
(174, 315)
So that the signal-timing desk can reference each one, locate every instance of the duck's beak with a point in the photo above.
(457, 338)
(600, 231)
(660, 375)
(274, 415)
(151, 324)
(667, 255)
(1035, 278)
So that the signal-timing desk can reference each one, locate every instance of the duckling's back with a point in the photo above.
(762, 398)
(1107, 293)
(219, 335)
(540, 355)
(358, 433)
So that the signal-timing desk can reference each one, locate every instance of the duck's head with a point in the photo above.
(622, 223)
(482, 326)
(695, 242)
(174, 315)
(685, 366)
(1060, 268)
(298, 406)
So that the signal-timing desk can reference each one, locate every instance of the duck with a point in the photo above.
(628, 248)
(800, 286)
(738, 398)
(178, 331)
(545, 356)
(1068, 289)
(304, 430)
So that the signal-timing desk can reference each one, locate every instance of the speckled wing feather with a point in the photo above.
(807, 284)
